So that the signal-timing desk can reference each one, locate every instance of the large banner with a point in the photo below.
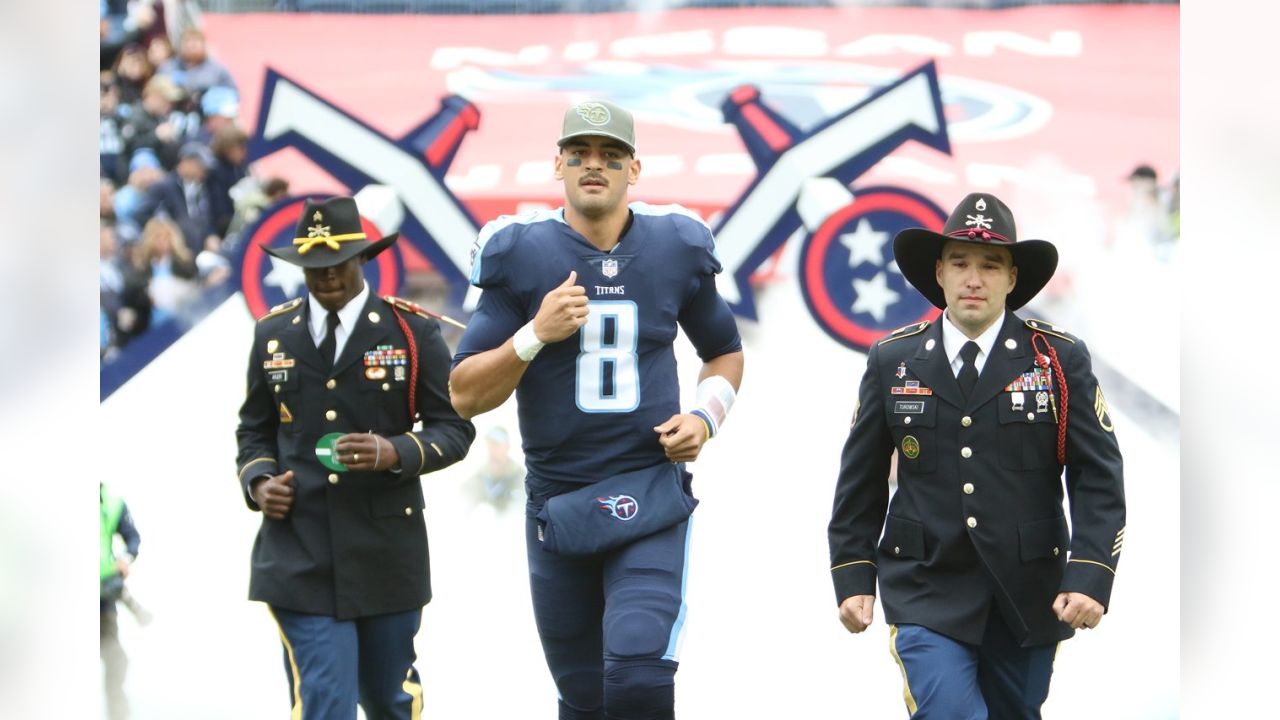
(829, 128)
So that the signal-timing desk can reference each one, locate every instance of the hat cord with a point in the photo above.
(1043, 361)
(330, 240)
(973, 234)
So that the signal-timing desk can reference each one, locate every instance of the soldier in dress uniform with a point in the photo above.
(328, 452)
(979, 577)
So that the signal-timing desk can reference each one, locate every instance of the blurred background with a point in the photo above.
(806, 133)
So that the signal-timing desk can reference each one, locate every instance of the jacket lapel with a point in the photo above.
(930, 365)
(1005, 363)
(366, 333)
(297, 338)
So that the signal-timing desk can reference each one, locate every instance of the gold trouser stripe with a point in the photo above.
(415, 691)
(906, 687)
(422, 452)
(296, 713)
(1094, 562)
(855, 562)
(251, 462)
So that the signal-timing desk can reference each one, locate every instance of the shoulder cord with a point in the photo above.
(1043, 361)
(413, 363)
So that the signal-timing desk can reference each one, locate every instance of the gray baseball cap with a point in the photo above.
(597, 117)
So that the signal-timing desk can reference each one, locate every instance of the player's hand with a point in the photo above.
(563, 311)
(122, 567)
(1078, 610)
(274, 494)
(857, 612)
(366, 451)
(682, 437)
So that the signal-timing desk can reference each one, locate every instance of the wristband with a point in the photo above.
(714, 399)
(526, 342)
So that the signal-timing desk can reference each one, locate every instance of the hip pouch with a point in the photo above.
(613, 512)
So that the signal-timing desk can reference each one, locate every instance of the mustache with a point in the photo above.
(597, 177)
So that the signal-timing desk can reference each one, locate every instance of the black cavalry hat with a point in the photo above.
(979, 218)
(329, 233)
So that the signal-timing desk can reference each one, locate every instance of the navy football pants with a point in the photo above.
(610, 624)
(949, 680)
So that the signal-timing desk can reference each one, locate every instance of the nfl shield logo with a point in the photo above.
(609, 267)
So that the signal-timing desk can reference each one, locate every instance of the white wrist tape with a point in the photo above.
(714, 400)
(527, 343)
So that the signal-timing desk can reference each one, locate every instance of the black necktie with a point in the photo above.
(330, 343)
(968, 376)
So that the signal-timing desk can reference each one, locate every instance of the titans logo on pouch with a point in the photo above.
(623, 507)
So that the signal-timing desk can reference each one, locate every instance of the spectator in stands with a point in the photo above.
(250, 198)
(157, 122)
(183, 196)
(131, 73)
(144, 172)
(111, 146)
(220, 107)
(106, 200)
(110, 285)
(193, 69)
(160, 278)
(159, 51)
(121, 22)
(230, 147)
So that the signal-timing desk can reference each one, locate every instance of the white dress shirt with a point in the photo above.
(347, 317)
(953, 339)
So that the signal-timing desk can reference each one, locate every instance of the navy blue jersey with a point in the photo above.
(588, 404)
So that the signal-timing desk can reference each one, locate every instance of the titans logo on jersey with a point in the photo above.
(588, 404)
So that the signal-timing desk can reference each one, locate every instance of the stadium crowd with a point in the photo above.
(175, 184)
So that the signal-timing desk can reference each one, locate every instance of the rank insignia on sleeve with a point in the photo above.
(1100, 409)
(285, 415)
(910, 447)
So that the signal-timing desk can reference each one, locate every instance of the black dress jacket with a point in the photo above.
(354, 544)
(977, 520)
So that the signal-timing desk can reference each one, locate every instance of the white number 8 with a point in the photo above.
(608, 372)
